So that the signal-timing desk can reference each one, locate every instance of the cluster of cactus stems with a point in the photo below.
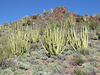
(47, 11)
(55, 41)
(71, 21)
(80, 40)
(17, 43)
(33, 34)
(18, 39)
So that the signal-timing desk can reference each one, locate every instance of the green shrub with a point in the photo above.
(60, 56)
(27, 21)
(92, 58)
(68, 52)
(79, 19)
(1, 29)
(23, 65)
(34, 17)
(91, 67)
(81, 71)
(51, 20)
(78, 60)
(19, 72)
(6, 71)
(5, 52)
(84, 51)
(93, 24)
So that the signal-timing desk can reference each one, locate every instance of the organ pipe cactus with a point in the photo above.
(71, 21)
(18, 44)
(84, 37)
(33, 34)
(80, 40)
(18, 41)
(54, 41)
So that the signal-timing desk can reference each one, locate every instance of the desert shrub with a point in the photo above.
(97, 15)
(6, 71)
(34, 17)
(5, 52)
(84, 51)
(91, 67)
(78, 60)
(27, 21)
(19, 72)
(55, 24)
(78, 19)
(81, 71)
(68, 52)
(34, 46)
(92, 58)
(98, 33)
(1, 29)
(93, 24)
(51, 20)
(23, 65)
(51, 23)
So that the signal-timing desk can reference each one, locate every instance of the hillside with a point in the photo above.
(57, 42)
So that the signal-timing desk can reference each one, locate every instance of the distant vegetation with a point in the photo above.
(97, 14)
